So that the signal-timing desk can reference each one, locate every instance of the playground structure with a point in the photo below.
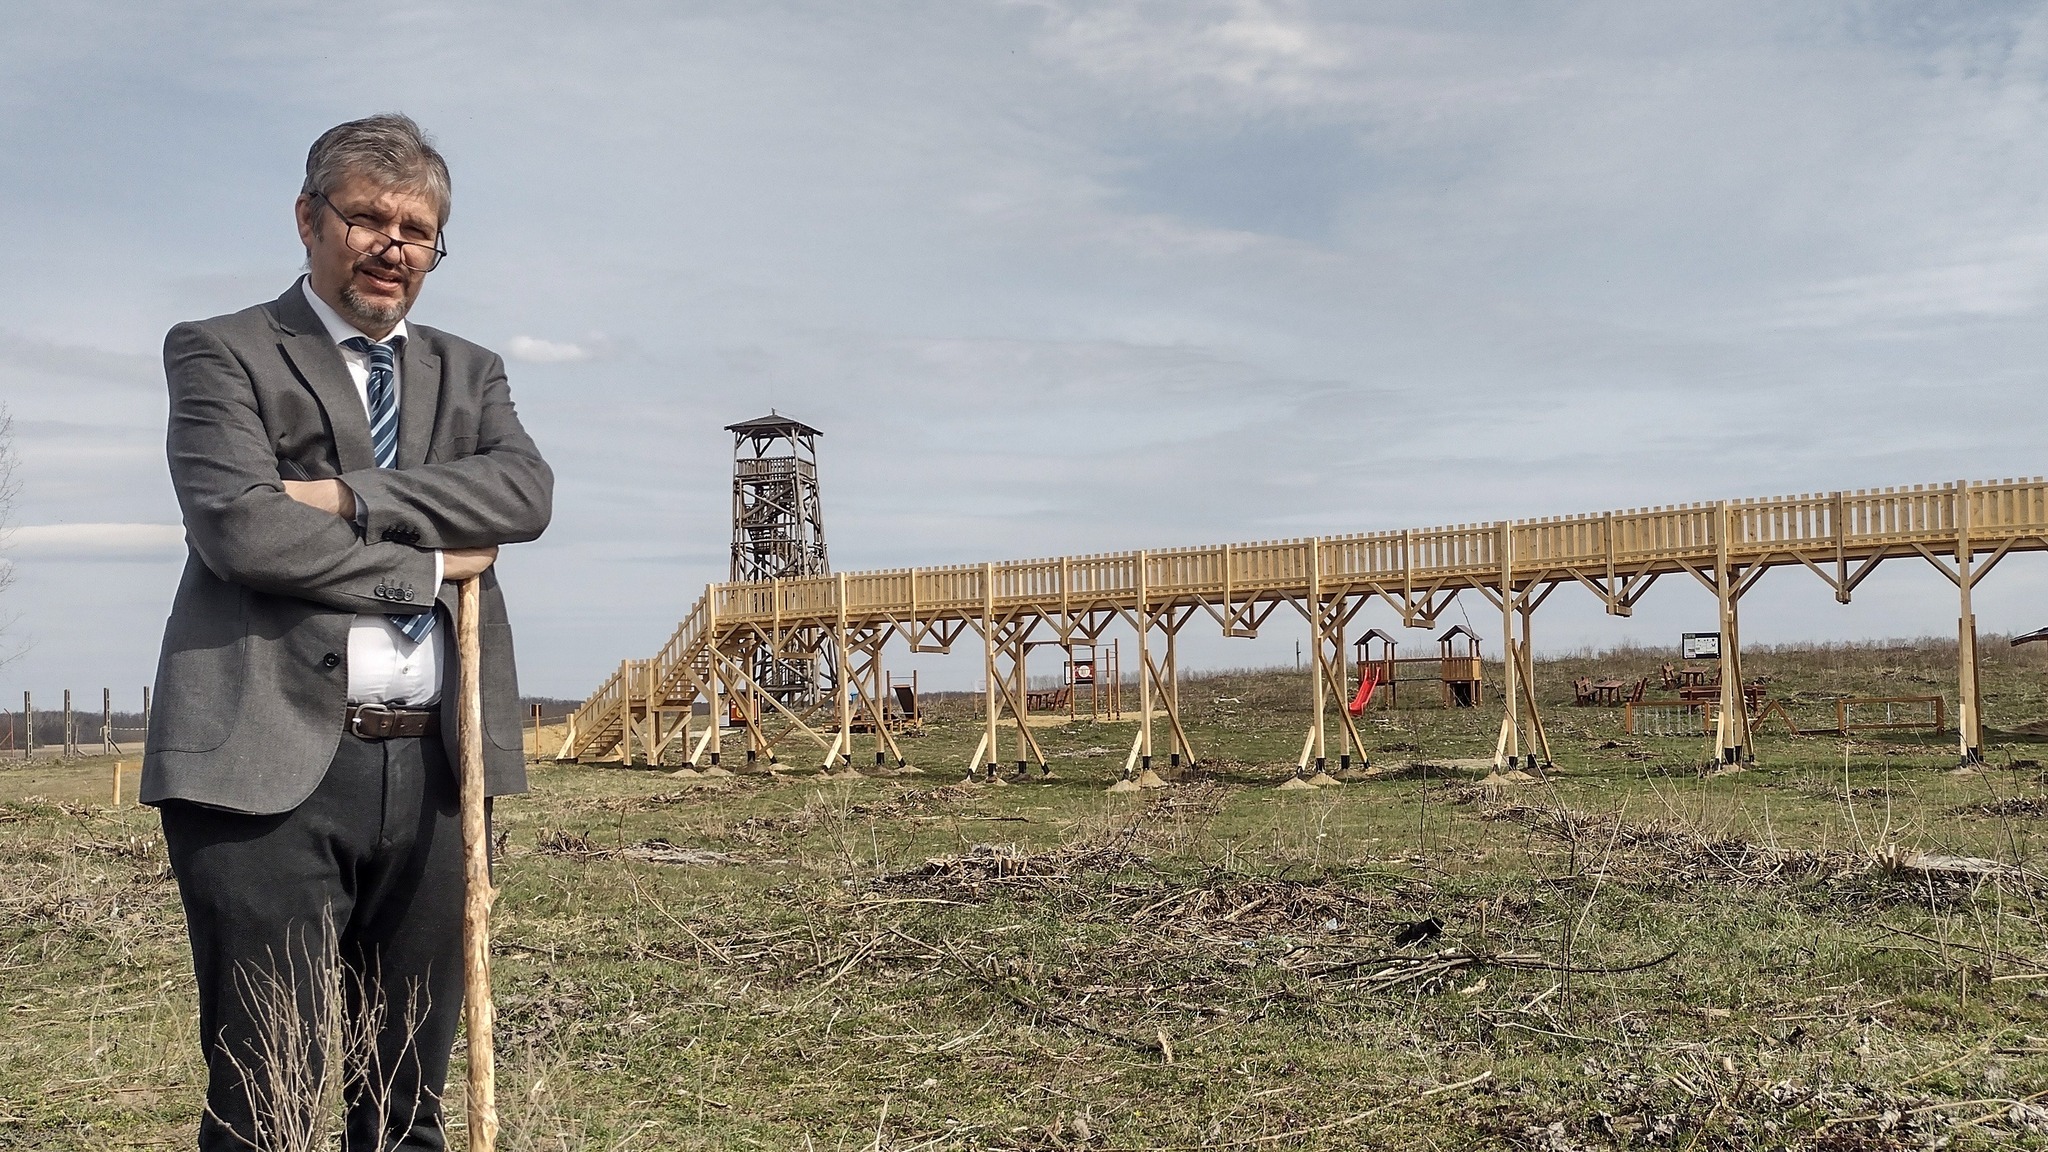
(1963, 529)
(1455, 668)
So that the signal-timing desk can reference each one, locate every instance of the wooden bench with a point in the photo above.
(1049, 699)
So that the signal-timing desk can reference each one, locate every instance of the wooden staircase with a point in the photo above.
(671, 679)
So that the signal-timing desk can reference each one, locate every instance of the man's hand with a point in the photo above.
(330, 496)
(458, 564)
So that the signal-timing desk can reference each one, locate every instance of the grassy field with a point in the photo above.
(1631, 954)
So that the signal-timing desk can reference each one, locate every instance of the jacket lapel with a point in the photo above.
(314, 357)
(419, 399)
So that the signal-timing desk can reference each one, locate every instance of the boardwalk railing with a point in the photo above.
(1840, 536)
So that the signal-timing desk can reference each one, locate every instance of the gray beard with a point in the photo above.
(366, 314)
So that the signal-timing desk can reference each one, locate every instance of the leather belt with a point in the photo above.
(383, 722)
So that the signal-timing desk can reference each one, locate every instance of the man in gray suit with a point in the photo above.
(339, 470)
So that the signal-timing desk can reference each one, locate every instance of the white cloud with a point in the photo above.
(534, 350)
(1065, 274)
(2005, 285)
(1245, 47)
(95, 541)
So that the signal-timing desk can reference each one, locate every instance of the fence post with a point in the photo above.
(107, 722)
(70, 730)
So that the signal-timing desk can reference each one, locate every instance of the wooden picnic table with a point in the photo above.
(1698, 677)
(1609, 691)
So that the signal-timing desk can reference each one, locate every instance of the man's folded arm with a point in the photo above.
(503, 494)
(237, 514)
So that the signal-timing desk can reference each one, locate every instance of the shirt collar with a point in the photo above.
(338, 329)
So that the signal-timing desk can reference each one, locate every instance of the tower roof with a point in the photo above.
(773, 424)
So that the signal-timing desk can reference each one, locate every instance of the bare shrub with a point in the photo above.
(317, 1051)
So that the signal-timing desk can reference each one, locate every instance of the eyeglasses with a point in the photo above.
(370, 242)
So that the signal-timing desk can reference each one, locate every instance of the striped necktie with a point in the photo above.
(383, 413)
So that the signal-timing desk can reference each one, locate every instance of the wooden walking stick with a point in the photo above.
(478, 1011)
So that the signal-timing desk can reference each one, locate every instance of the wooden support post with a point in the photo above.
(1346, 725)
(652, 744)
(1145, 674)
(879, 682)
(28, 724)
(1838, 520)
(70, 727)
(1539, 740)
(749, 698)
(145, 717)
(1734, 645)
(1731, 733)
(626, 712)
(1969, 720)
(1319, 695)
(878, 707)
(1020, 704)
(1508, 749)
(107, 723)
(866, 679)
(1342, 666)
(713, 677)
(988, 656)
(1172, 694)
(1186, 754)
(843, 661)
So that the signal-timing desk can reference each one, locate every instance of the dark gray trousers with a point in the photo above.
(367, 872)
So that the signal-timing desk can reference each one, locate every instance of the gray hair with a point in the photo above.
(388, 148)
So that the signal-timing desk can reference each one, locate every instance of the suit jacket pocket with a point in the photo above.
(500, 683)
(200, 676)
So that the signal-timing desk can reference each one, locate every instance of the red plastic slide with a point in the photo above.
(1368, 680)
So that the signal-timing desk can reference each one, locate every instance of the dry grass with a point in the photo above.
(1634, 955)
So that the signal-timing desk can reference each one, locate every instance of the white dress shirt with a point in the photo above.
(384, 666)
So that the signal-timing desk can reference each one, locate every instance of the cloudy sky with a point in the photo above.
(1066, 277)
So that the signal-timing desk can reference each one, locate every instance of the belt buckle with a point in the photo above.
(384, 719)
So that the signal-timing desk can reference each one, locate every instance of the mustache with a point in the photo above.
(378, 264)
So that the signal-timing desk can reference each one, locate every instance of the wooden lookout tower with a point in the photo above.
(778, 533)
(778, 523)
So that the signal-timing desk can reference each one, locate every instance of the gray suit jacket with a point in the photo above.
(253, 680)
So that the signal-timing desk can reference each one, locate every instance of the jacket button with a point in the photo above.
(331, 660)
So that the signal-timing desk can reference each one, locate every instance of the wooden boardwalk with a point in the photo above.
(1964, 529)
